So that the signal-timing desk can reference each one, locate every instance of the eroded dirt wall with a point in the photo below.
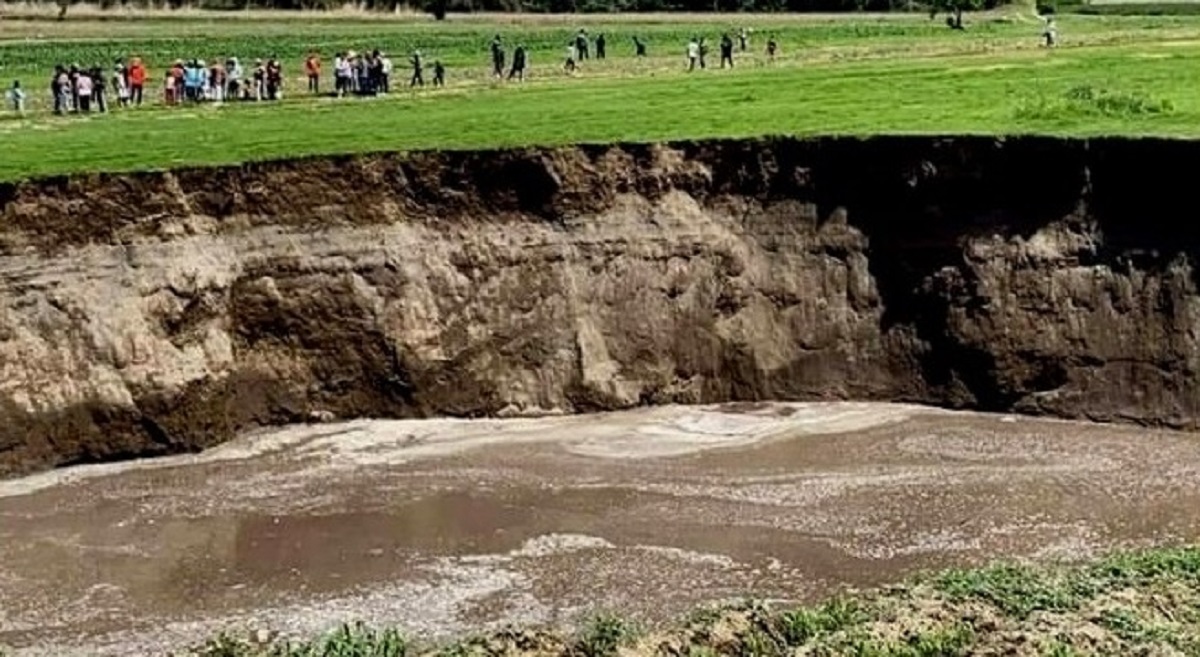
(152, 313)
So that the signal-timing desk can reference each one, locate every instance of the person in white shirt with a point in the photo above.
(385, 73)
(121, 85)
(83, 87)
(693, 54)
(569, 65)
(343, 71)
(16, 98)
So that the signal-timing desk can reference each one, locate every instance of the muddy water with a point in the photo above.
(451, 526)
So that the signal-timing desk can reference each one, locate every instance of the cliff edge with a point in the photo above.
(154, 313)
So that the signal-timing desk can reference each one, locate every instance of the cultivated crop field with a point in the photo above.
(861, 74)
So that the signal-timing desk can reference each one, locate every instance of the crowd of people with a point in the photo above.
(83, 90)
(80, 90)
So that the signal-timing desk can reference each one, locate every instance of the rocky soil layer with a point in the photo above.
(163, 312)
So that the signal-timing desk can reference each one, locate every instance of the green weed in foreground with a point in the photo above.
(356, 640)
(1131, 603)
(603, 636)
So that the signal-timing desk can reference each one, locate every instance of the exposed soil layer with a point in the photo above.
(164, 312)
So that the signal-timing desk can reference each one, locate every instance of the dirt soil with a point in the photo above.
(448, 527)
(160, 313)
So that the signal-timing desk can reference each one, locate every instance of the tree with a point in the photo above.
(955, 9)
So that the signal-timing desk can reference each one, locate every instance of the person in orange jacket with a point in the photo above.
(312, 66)
(137, 80)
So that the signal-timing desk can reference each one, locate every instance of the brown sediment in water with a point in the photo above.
(159, 313)
(450, 527)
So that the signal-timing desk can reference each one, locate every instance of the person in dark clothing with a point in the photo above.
(439, 73)
(417, 66)
(518, 64)
(600, 46)
(703, 51)
(99, 86)
(639, 47)
(497, 57)
(377, 75)
(365, 72)
(274, 79)
(581, 45)
(772, 48)
(744, 38)
(56, 89)
(73, 77)
(726, 50)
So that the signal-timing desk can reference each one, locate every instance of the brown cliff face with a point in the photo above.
(163, 312)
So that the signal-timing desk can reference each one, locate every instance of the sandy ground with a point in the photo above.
(451, 526)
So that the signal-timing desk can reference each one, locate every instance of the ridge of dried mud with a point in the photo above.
(164, 312)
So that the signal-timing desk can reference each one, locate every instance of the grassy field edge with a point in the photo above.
(1136, 602)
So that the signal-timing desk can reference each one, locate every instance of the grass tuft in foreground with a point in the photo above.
(1131, 603)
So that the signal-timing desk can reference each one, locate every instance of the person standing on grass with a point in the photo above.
(137, 81)
(219, 81)
(639, 47)
(169, 88)
(57, 83)
(343, 71)
(518, 64)
(312, 68)
(83, 91)
(260, 80)
(386, 67)
(601, 44)
(99, 84)
(772, 48)
(73, 76)
(274, 79)
(693, 54)
(417, 67)
(16, 98)
(497, 57)
(744, 39)
(439, 73)
(703, 52)
(1050, 33)
(192, 81)
(581, 45)
(726, 50)
(120, 82)
(363, 66)
(569, 65)
(233, 78)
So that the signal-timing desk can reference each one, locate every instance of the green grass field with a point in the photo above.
(836, 75)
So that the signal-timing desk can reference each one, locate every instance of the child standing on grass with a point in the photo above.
(16, 98)
(439, 73)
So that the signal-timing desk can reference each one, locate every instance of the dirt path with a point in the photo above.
(451, 526)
